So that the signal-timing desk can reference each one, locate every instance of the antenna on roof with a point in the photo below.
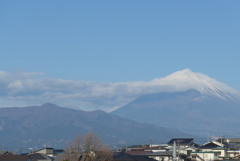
(150, 143)
(221, 139)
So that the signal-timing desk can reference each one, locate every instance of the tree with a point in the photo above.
(88, 148)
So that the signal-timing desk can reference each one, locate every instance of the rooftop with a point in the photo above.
(14, 157)
(165, 153)
(182, 141)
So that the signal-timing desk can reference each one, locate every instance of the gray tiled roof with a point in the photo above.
(164, 153)
(61, 157)
(137, 152)
(38, 156)
(210, 145)
(185, 141)
(14, 157)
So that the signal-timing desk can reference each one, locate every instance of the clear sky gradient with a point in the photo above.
(121, 40)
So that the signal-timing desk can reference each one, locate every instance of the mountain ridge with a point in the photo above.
(55, 126)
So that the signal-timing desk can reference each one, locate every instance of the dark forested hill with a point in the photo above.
(50, 125)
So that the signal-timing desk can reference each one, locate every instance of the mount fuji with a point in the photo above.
(191, 102)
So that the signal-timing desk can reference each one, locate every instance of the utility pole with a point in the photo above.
(151, 143)
(178, 141)
(174, 151)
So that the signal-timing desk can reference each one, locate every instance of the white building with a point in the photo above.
(204, 156)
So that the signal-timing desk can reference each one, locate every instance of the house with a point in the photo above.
(187, 150)
(62, 157)
(128, 157)
(214, 146)
(181, 143)
(231, 143)
(144, 150)
(184, 146)
(137, 151)
(74, 157)
(156, 148)
(217, 149)
(51, 152)
(165, 156)
(39, 157)
(234, 154)
(204, 156)
(48, 151)
(78, 157)
(161, 156)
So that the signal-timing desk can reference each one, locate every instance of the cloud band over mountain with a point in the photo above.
(32, 89)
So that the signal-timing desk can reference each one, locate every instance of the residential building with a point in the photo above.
(204, 156)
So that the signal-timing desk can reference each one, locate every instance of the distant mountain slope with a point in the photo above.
(200, 105)
(54, 126)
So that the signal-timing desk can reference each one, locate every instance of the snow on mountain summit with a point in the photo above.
(186, 79)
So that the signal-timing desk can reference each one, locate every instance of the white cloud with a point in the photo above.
(31, 89)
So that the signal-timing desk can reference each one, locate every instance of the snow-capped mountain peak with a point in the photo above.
(186, 79)
(188, 101)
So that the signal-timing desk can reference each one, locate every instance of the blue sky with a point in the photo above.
(119, 41)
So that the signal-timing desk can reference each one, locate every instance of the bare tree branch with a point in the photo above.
(90, 147)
